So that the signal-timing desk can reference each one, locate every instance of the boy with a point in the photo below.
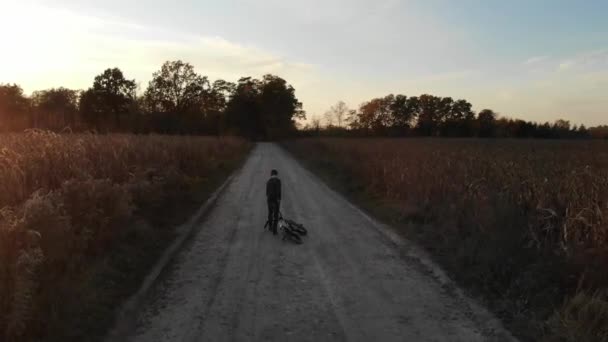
(273, 197)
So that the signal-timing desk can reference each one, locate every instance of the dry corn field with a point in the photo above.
(65, 200)
(524, 223)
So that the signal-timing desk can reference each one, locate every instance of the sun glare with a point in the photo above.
(36, 39)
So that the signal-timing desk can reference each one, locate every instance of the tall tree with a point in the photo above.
(583, 132)
(214, 104)
(14, 107)
(280, 107)
(403, 111)
(179, 100)
(329, 118)
(243, 112)
(55, 108)
(487, 123)
(375, 116)
(352, 119)
(176, 88)
(111, 95)
(430, 109)
(460, 110)
(220, 94)
(458, 120)
(315, 123)
(338, 112)
(263, 109)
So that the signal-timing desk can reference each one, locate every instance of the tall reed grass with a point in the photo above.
(523, 222)
(67, 201)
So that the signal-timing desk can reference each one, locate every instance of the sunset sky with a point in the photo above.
(536, 60)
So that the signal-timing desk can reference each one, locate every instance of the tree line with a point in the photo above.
(176, 101)
(429, 115)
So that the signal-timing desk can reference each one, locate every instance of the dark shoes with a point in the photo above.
(271, 227)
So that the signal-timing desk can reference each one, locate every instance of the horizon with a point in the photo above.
(349, 51)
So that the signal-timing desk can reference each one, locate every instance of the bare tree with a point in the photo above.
(315, 122)
(340, 112)
(329, 118)
(337, 113)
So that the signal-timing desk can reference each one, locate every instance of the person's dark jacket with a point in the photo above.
(273, 189)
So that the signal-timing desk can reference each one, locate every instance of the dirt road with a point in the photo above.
(351, 280)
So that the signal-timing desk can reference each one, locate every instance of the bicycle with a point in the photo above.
(292, 230)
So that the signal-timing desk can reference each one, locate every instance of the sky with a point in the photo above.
(537, 60)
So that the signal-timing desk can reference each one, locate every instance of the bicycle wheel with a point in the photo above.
(298, 228)
(292, 236)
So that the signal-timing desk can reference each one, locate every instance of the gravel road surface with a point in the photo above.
(351, 280)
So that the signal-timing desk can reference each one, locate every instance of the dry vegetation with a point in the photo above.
(82, 216)
(522, 223)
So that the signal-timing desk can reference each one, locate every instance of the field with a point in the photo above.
(82, 217)
(521, 224)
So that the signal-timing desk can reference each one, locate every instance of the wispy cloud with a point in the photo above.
(358, 51)
(574, 90)
(43, 58)
(566, 65)
(535, 60)
(586, 60)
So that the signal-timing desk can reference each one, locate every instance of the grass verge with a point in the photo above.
(117, 276)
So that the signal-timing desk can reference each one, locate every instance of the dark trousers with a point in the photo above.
(273, 214)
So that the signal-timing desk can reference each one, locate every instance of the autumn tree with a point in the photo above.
(375, 115)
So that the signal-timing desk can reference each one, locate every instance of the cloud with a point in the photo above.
(566, 65)
(352, 43)
(574, 91)
(535, 60)
(68, 48)
(586, 60)
(77, 47)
